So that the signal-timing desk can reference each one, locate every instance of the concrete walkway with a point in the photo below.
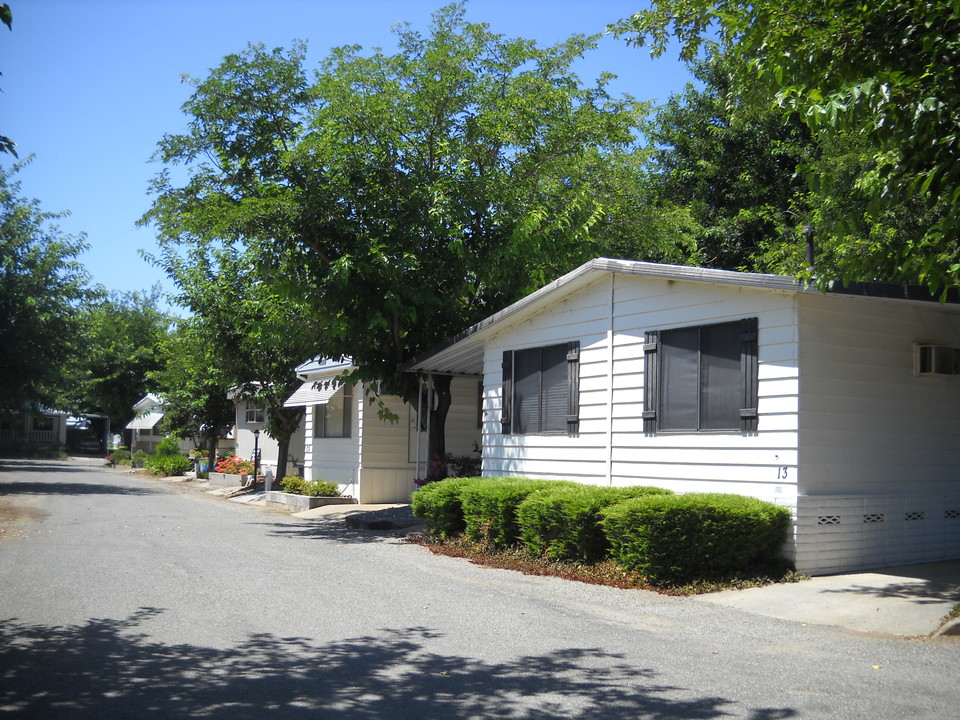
(906, 601)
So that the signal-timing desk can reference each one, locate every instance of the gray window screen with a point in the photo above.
(701, 378)
(541, 389)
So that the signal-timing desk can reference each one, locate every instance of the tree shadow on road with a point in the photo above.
(333, 529)
(107, 669)
(45, 466)
(67, 488)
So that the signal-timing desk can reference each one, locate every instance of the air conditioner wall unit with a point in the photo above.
(937, 360)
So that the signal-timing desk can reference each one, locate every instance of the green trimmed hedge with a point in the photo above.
(563, 522)
(490, 507)
(439, 504)
(679, 538)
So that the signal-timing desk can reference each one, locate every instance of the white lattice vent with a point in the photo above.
(914, 516)
(828, 520)
(874, 517)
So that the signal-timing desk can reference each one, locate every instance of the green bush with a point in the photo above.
(120, 456)
(138, 459)
(168, 446)
(294, 484)
(439, 504)
(679, 538)
(490, 507)
(316, 488)
(563, 522)
(323, 488)
(168, 464)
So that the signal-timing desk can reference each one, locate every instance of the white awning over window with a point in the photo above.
(145, 422)
(313, 392)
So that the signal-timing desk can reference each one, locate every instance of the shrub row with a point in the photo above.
(669, 538)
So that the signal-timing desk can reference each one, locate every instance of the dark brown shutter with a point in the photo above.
(506, 401)
(651, 381)
(749, 371)
(573, 387)
(347, 410)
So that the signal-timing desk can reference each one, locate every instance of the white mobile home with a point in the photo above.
(843, 406)
(250, 432)
(373, 460)
(144, 429)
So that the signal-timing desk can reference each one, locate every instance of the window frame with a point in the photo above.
(746, 395)
(258, 411)
(510, 414)
(320, 417)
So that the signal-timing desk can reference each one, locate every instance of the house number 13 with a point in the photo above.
(782, 473)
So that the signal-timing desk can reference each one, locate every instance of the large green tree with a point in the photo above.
(405, 195)
(883, 75)
(737, 171)
(122, 335)
(255, 336)
(42, 288)
(194, 385)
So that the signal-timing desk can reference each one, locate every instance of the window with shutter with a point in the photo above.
(701, 379)
(541, 390)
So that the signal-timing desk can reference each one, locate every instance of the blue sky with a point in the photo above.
(90, 86)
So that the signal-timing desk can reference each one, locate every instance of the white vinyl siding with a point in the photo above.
(609, 318)
(869, 423)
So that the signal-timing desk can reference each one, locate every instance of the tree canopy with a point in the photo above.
(407, 196)
(42, 286)
(880, 76)
(245, 339)
(122, 337)
(194, 385)
(736, 171)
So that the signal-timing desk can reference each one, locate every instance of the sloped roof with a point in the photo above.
(323, 366)
(463, 353)
(146, 421)
(147, 402)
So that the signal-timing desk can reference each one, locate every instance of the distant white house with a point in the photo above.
(144, 429)
(371, 459)
(251, 432)
(843, 406)
(145, 426)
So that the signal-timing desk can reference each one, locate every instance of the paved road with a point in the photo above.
(123, 597)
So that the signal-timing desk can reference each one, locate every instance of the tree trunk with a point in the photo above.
(284, 422)
(211, 451)
(283, 449)
(437, 438)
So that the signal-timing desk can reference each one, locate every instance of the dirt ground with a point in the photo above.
(12, 515)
